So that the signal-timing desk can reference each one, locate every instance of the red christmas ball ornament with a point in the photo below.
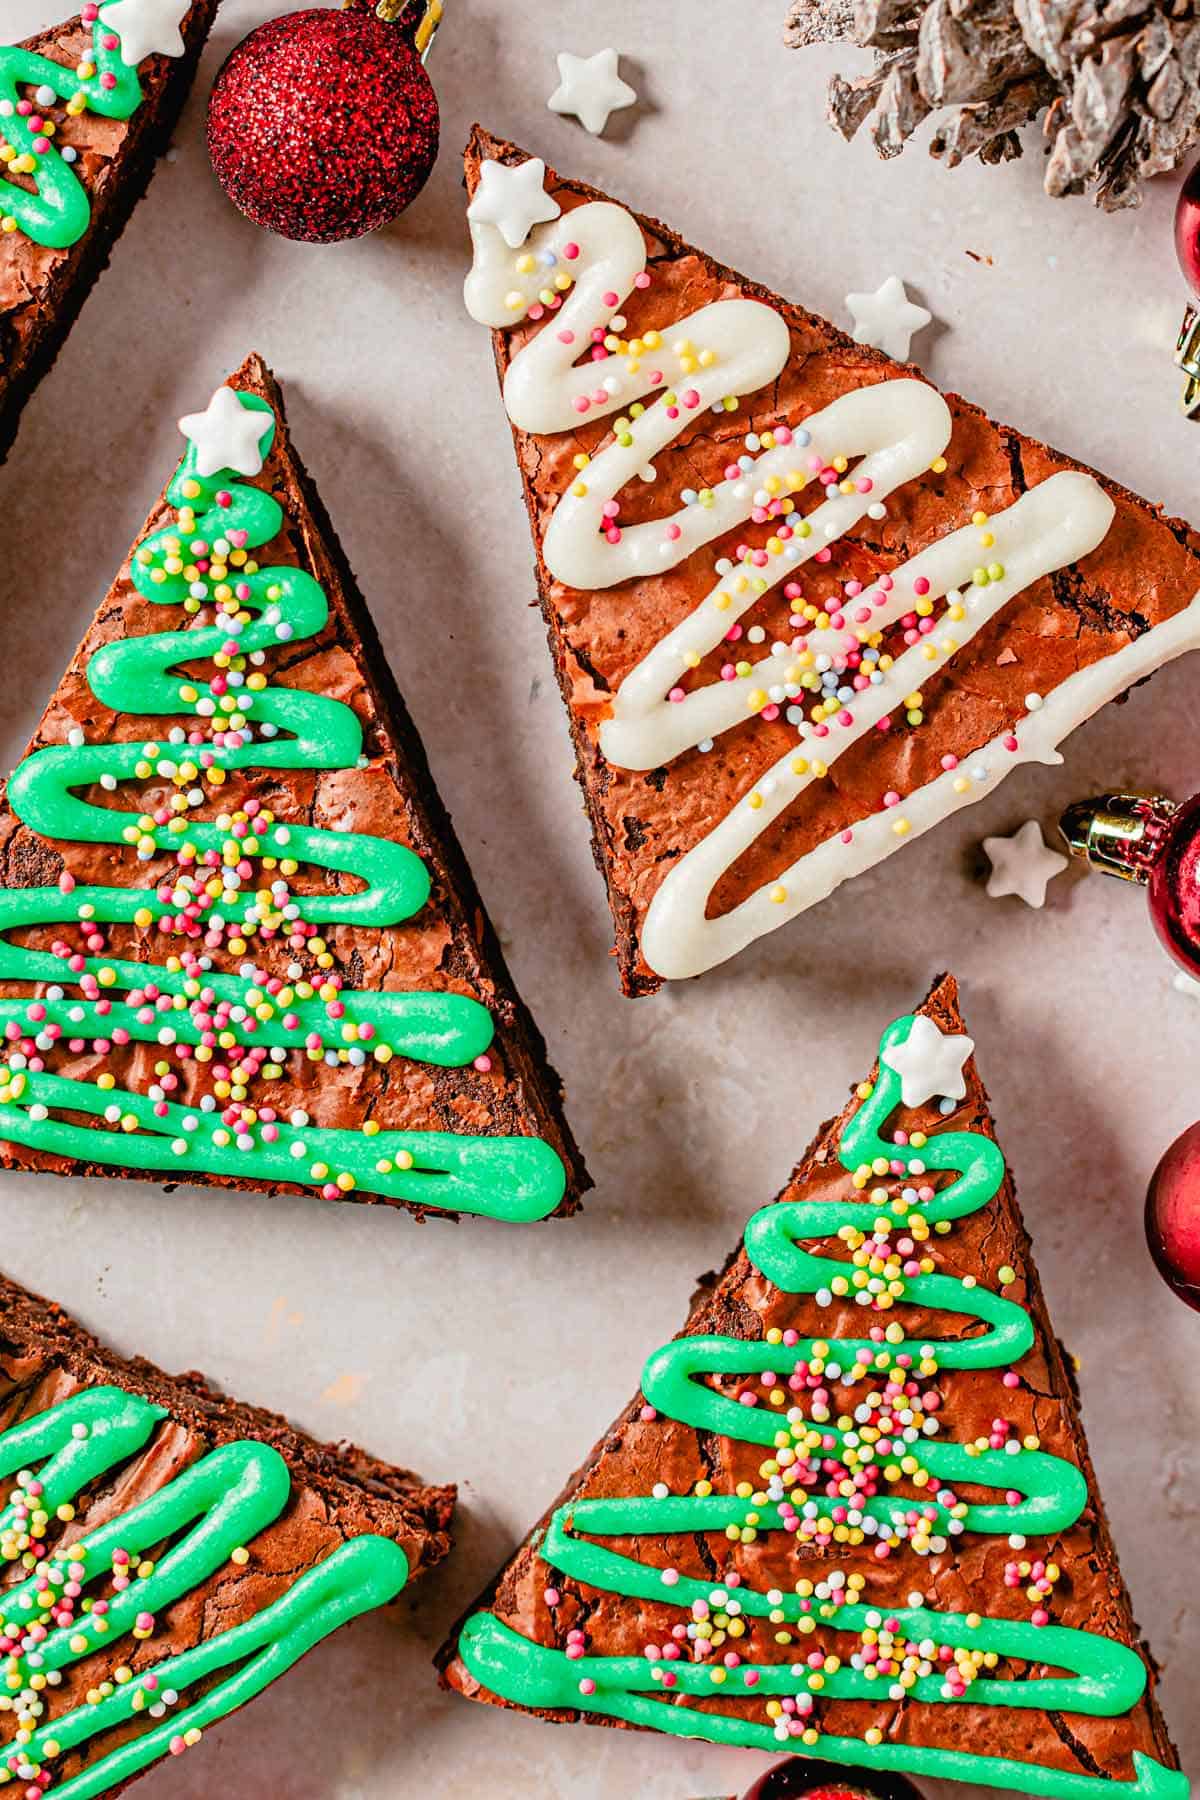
(323, 124)
(803, 1779)
(1173, 1216)
(1187, 249)
(1148, 839)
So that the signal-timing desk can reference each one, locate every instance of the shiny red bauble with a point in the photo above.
(1173, 890)
(323, 124)
(801, 1778)
(1173, 1216)
(1187, 229)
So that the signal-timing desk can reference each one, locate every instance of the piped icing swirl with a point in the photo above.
(870, 1473)
(842, 670)
(103, 1587)
(56, 211)
(233, 883)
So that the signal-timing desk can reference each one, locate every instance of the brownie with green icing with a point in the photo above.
(851, 1511)
(109, 119)
(168, 1553)
(239, 942)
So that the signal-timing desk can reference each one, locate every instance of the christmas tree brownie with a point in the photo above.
(168, 1553)
(802, 608)
(852, 1509)
(85, 108)
(257, 955)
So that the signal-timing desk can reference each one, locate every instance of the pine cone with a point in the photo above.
(1116, 82)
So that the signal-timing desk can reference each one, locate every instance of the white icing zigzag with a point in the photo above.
(580, 269)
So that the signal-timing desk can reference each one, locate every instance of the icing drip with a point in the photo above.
(582, 268)
(1102, 1677)
(57, 212)
(185, 1003)
(191, 1528)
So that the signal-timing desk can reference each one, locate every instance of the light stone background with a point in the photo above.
(494, 1355)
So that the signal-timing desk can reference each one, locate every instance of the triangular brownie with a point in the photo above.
(852, 1508)
(258, 956)
(801, 607)
(85, 109)
(168, 1553)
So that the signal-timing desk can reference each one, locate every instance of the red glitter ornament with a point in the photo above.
(1173, 1217)
(323, 124)
(1154, 841)
(801, 1778)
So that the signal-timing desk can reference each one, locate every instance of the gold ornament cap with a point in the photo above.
(1187, 357)
(1122, 834)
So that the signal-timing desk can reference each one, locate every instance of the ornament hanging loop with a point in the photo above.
(1187, 356)
(421, 18)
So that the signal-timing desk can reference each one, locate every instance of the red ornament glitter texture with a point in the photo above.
(800, 1778)
(1173, 1217)
(323, 124)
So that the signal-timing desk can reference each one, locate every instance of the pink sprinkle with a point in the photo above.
(610, 298)
(642, 280)
(847, 837)
(581, 403)
(108, 81)
(587, 1685)
(570, 251)
(676, 695)
(483, 1063)
(552, 1597)
(648, 1413)
(566, 337)
(177, 1746)
(920, 585)
(949, 762)
(674, 531)
(1010, 742)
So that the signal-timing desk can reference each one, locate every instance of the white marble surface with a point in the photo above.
(494, 1356)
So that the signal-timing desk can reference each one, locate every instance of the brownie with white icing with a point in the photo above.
(851, 1511)
(168, 1553)
(801, 606)
(103, 90)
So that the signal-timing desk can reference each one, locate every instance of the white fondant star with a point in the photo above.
(146, 26)
(590, 88)
(1022, 864)
(887, 318)
(227, 435)
(929, 1062)
(513, 198)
